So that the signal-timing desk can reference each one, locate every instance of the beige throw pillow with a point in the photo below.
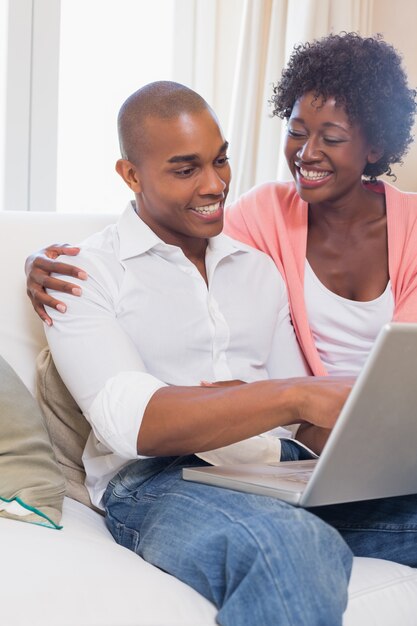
(67, 426)
(31, 483)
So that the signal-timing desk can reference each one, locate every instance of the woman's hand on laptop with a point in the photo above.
(313, 437)
(39, 266)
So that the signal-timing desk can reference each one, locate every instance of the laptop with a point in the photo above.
(372, 450)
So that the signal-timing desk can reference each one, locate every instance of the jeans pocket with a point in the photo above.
(161, 482)
(129, 538)
(123, 535)
(145, 478)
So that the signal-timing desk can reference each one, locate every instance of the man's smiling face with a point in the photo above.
(183, 177)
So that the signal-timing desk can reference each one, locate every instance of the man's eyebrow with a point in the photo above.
(189, 158)
(179, 158)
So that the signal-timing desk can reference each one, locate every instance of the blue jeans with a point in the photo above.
(384, 528)
(261, 561)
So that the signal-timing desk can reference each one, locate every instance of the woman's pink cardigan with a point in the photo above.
(273, 218)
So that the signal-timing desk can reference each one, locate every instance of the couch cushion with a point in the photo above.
(80, 576)
(67, 426)
(21, 232)
(381, 593)
(31, 483)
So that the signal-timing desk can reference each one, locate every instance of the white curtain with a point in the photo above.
(205, 49)
(269, 30)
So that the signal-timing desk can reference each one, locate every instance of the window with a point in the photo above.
(67, 66)
(120, 46)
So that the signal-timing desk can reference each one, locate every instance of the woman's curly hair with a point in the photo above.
(366, 77)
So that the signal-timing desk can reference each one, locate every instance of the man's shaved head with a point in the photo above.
(161, 99)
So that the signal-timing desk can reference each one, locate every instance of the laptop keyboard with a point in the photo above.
(294, 471)
(299, 477)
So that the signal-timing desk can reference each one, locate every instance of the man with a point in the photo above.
(171, 302)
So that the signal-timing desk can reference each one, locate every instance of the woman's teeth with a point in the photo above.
(313, 175)
(209, 209)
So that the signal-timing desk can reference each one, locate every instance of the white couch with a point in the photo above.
(79, 576)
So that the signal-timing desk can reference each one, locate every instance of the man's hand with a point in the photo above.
(317, 402)
(320, 399)
(39, 266)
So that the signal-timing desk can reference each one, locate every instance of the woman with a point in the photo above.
(345, 245)
(344, 242)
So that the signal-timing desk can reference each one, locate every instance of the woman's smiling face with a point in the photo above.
(325, 152)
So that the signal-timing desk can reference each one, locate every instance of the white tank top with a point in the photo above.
(344, 330)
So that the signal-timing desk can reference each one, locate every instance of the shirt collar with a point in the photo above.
(135, 238)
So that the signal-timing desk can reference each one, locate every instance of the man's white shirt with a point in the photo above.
(147, 319)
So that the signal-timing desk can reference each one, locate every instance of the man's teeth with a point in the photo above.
(207, 210)
(313, 175)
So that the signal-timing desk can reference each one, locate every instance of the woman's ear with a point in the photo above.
(375, 154)
(129, 173)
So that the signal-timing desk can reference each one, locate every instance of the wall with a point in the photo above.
(3, 78)
(398, 22)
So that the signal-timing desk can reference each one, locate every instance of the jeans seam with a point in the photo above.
(264, 555)
(390, 528)
(130, 496)
(249, 532)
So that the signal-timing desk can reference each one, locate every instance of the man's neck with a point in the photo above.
(194, 248)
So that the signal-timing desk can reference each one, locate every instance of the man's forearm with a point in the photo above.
(185, 420)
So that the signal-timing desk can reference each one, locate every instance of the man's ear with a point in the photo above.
(129, 173)
(375, 154)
